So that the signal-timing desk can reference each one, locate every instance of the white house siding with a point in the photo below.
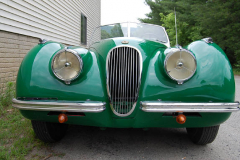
(57, 20)
(22, 22)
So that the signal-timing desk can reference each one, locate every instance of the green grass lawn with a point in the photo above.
(236, 72)
(17, 138)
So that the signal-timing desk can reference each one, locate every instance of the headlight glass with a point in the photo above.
(180, 64)
(67, 65)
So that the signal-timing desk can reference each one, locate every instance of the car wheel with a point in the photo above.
(203, 135)
(49, 132)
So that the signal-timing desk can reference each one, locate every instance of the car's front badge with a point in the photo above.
(125, 42)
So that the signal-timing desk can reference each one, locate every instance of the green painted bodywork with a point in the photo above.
(212, 82)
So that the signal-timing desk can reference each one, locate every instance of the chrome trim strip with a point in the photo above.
(86, 106)
(155, 106)
(208, 40)
(42, 41)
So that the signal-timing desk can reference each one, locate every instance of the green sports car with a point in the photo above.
(128, 77)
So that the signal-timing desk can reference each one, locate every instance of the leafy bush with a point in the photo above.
(7, 94)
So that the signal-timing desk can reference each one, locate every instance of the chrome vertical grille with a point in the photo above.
(124, 65)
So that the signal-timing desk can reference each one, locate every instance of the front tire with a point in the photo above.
(204, 135)
(49, 132)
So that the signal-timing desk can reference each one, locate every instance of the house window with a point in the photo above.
(83, 29)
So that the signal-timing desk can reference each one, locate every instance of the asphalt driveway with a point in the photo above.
(162, 143)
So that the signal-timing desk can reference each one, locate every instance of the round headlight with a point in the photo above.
(67, 65)
(180, 64)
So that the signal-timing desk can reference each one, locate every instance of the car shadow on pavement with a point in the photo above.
(86, 142)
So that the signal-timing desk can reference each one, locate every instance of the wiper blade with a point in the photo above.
(161, 41)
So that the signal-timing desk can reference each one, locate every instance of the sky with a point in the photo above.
(115, 11)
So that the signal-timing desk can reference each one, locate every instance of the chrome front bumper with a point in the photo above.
(86, 106)
(146, 106)
(158, 106)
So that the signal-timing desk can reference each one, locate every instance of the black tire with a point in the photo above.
(49, 132)
(204, 135)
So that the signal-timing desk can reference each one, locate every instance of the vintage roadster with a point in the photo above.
(129, 77)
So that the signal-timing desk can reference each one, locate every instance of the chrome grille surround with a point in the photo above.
(124, 69)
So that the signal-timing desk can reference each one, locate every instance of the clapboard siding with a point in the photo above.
(39, 18)
(31, 18)
(55, 20)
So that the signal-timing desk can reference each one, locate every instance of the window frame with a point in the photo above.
(83, 36)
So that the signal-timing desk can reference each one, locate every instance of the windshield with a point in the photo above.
(139, 30)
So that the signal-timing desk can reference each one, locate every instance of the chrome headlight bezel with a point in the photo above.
(174, 51)
(79, 58)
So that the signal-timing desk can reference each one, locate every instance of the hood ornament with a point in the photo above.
(125, 42)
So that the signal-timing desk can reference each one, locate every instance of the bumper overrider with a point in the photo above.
(146, 106)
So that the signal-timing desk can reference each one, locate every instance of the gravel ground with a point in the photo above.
(162, 143)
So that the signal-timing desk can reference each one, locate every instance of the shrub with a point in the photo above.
(7, 94)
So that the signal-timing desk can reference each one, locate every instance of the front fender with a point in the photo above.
(36, 79)
(213, 80)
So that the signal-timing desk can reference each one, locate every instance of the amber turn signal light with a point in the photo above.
(181, 119)
(62, 118)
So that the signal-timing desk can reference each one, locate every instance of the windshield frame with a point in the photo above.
(129, 32)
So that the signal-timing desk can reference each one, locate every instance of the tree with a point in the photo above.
(111, 31)
(196, 19)
(116, 31)
(186, 33)
(105, 34)
(187, 30)
(220, 19)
